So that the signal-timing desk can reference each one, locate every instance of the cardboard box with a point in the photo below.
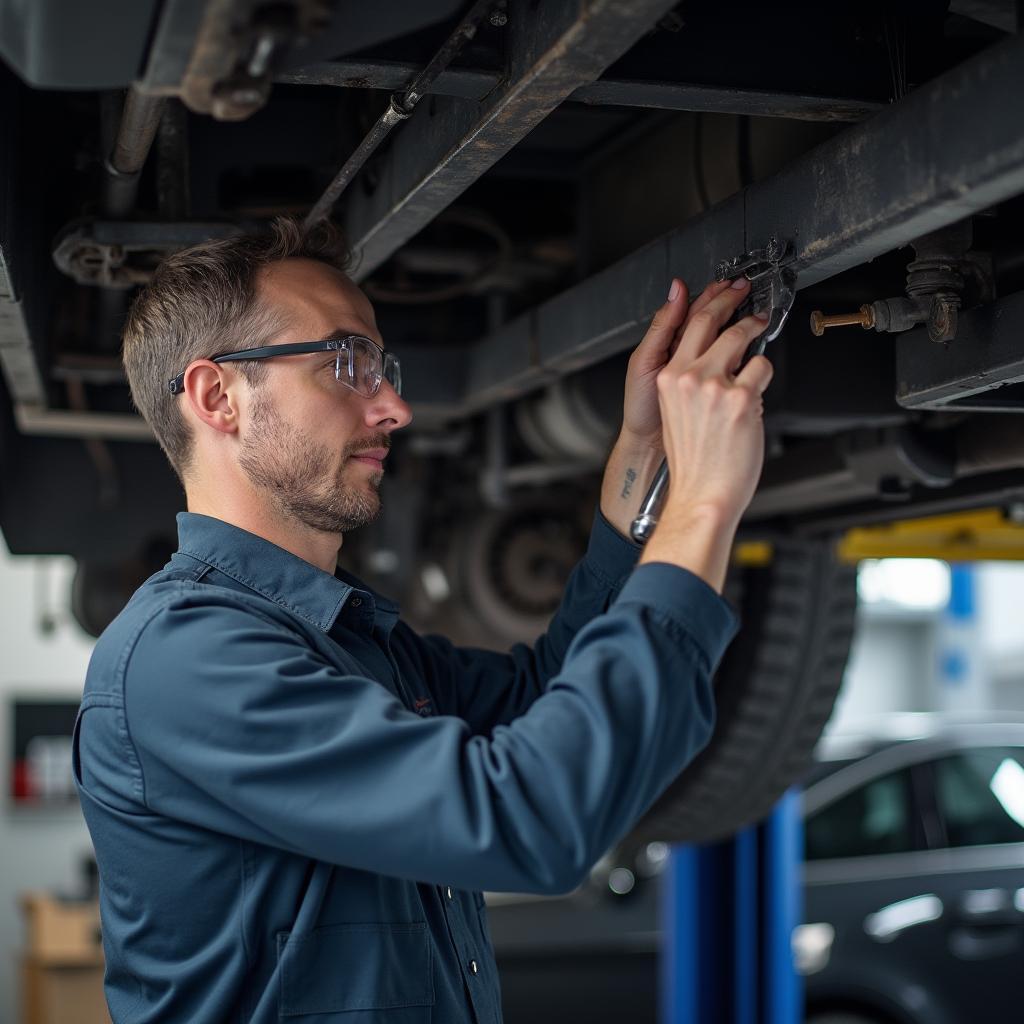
(62, 994)
(61, 932)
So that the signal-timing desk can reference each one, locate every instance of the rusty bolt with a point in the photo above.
(237, 98)
(943, 317)
(864, 316)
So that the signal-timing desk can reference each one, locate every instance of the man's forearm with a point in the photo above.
(627, 476)
(698, 539)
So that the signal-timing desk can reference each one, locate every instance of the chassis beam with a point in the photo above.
(951, 148)
(475, 84)
(449, 142)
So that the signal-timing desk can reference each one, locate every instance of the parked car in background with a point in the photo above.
(913, 889)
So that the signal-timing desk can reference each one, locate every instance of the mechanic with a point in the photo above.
(295, 800)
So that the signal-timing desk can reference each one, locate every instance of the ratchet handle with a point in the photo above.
(647, 519)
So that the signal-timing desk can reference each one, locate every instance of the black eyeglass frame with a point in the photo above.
(388, 360)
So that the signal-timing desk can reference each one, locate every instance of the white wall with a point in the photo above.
(38, 849)
(889, 669)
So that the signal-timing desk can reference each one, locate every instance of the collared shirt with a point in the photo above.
(296, 801)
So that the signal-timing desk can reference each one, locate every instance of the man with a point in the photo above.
(295, 800)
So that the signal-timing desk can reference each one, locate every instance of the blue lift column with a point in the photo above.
(728, 914)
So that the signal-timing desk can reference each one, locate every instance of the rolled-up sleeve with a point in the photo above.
(240, 726)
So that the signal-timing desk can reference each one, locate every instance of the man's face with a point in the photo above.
(313, 446)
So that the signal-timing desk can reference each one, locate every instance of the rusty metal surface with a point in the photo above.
(475, 84)
(449, 142)
(399, 108)
(973, 370)
(953, 147)
(607, 313)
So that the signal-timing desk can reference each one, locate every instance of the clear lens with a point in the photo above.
(361, 365)
(393, 372)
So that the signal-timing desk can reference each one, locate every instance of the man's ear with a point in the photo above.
(210, 397)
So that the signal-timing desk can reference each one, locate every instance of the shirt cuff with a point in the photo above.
(609, 554)
(684, 598)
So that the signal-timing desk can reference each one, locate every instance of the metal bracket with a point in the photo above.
(772, 287)
(772, 291)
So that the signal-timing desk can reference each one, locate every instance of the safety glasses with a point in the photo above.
(360, 364)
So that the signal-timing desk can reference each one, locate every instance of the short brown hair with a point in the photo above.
(203, 301)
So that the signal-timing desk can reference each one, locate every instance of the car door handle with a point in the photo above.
(885, 924)
(992, 907)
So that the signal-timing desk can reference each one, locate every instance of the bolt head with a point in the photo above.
(236, 99)
(943, 318)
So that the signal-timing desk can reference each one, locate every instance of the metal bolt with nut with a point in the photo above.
(819, 322)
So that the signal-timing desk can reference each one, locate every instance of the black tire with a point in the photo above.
(775, 690)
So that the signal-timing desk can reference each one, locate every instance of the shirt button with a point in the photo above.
(448, 891)
(473, 967)
(356, 602)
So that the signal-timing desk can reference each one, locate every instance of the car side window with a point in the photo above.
(980, 795)
(873, 819)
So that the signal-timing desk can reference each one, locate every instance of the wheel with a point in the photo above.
(774, 691)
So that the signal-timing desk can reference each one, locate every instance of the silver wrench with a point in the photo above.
(772, 290)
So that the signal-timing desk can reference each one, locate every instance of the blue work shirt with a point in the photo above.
(296, 800)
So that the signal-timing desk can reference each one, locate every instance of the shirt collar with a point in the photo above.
(278, 575)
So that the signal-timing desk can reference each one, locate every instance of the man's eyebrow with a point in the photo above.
(339, 333)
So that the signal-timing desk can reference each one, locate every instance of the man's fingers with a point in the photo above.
(713, 289)
(704, 325)
(756, 375)
(726, 353)
(667, 321)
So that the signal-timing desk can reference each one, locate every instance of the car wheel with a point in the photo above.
(774, 691)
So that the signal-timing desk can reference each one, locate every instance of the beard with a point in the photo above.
(294, 470)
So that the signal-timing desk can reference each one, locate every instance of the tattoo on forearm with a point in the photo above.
(628, 485)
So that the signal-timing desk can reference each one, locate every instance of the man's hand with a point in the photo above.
(714, 436)
(639, 449)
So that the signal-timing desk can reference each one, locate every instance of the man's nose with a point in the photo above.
(388, 406)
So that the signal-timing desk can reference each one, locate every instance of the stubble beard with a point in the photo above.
(295, 472)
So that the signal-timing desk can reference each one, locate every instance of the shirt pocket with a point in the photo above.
(349, 967)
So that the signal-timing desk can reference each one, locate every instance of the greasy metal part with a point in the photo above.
(172, 169)
(970, 155)
(139, 122)
(937, 283)
(772, 291)
(863, 318)
(231, 51)
(400, 107)
(123, 254)
(377, 134)
(982, 371)
(449, 143)
(32, 419)
(475, 84)
(851, 199)
(867, 465)
(475, 279)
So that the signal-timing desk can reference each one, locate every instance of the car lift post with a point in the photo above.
(728, 914)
